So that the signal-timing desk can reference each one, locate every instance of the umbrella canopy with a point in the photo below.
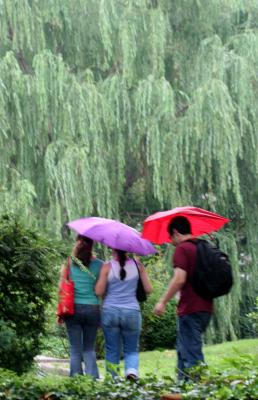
(113, 234)
(202, 222)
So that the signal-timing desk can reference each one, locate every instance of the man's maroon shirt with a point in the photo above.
(189, 302)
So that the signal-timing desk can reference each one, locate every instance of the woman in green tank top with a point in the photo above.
(83, 325)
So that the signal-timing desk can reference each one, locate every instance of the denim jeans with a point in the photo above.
(122, 328)
(189, 340)
(82, 330)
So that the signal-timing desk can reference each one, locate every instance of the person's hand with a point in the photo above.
(159, 309)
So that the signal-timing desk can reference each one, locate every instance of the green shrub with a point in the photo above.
(26, 277)
(253, 316)
(158, 332)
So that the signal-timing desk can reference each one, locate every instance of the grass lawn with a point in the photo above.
(163, 363)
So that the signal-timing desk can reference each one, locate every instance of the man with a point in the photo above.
(193, 311)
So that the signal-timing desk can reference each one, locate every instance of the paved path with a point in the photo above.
(51, 365)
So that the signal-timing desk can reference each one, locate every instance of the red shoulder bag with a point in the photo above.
(65, 305)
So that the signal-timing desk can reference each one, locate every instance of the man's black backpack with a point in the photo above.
(212, 276)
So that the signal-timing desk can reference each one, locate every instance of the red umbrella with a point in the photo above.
(202, 222)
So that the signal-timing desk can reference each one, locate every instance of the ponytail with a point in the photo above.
(121, 255)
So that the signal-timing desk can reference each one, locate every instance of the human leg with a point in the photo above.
(189, 340)
(180, 361)
(74, 331)
(112, 334)
(90, 324)
(131, 323)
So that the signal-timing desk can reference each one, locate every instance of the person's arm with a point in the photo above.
(176, 283)
(101, 284)
(145, 278)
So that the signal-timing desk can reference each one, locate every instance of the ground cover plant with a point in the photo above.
(237, 381)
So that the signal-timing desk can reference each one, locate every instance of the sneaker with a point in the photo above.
(132, 377)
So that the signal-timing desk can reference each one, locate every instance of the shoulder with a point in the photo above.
(187, 246)
(105, 267)
(139, 265)
(189, 243)
(184, 255)
(97, 262)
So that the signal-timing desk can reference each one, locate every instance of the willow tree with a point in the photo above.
(110, 105)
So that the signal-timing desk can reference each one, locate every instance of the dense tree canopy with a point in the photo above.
(115, 106)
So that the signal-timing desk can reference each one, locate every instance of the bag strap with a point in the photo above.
(214, 241)
(83, 268)
(137, 268)
(67, 271)
(194, 241)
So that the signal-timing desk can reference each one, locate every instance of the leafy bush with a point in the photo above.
(158, 332)
(26, 276)
(238, 382)
(253, 316)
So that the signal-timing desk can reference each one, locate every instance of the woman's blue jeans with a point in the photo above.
(122, 328)
(82, 331)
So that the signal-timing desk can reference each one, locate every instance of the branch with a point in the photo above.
(23, 64)
(10, 32)
(182, 110)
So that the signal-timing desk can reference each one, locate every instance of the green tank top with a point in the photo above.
(85, 281)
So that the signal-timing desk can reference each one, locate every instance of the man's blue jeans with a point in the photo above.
(122, 328)
(82, 330)
(189, 340)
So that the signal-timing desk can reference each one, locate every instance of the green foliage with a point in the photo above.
(27, 274)
(253, 316)
(238, 381)
(158, 332)
(110, 107)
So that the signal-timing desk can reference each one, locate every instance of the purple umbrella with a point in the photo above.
(113, 234)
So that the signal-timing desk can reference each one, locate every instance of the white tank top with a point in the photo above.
(122, 293)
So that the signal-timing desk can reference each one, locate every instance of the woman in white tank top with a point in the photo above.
(121, 315)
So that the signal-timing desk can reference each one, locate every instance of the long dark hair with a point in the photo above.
(121, 255)
(84, 250)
